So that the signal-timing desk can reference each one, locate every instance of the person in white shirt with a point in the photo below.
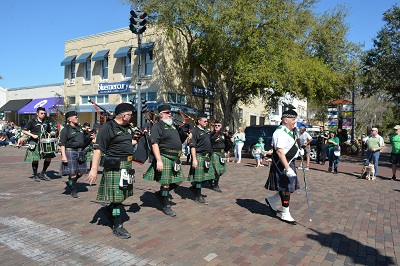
(282, 176)
(305, 140)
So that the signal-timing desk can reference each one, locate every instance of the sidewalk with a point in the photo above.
(354, 221)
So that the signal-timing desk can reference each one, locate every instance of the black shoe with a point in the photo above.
(323, 163)
(216, 188)
(45, 177)
(394, 178)
(36, 178)
(329, 170)
(200, 199)
(121, 232)
(74, 194)
(274, 212)
(168, 211)
(335, 172)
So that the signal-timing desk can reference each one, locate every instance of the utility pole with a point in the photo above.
(138, 26)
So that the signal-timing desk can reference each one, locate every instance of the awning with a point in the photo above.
(68, 60)
(31, 107)
(122, 52)
(90, 108)
(99, 56)
(83, 57)
(14, 105)
(146, 47)
(338, 102)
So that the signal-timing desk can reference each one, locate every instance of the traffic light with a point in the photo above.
(137, 22)
(144, 105)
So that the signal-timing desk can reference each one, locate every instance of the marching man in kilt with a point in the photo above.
(35, 129)
(115, 141)
(200, 149)
(72, 142)
(166, 144)
(282, 176)
(218, 158)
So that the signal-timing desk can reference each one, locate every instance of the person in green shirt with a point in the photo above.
(375, 144)
(333, 145)
(395, 155)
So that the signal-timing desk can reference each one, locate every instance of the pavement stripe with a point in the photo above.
(46, 244)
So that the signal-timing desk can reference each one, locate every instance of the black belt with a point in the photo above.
(124, 158)
(219, 150)
(207, 154)
(73, 149)
(171, 152)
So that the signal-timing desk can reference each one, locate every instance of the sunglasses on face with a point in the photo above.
(167, 112)
(217, 125)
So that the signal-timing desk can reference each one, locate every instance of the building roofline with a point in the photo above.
(34, 87)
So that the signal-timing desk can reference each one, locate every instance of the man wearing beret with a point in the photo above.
(73, 159)
(218, 159)
(282, 176)
(200, 149)
(115, 141)
(166, 143)
(37, 129)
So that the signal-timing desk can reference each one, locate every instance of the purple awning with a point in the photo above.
(47, 103)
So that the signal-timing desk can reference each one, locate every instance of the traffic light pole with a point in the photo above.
(139, 84)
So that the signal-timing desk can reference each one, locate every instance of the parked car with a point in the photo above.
(253, 133)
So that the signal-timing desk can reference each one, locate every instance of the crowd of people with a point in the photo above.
(114, 145)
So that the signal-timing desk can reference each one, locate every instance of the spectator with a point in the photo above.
(375, 144)
(256, 152)
(395, 155)
(321, 145)
(264, 153)
(305, 140)
(239, 138)
(228, 145)
(3, 140)
(333, 148)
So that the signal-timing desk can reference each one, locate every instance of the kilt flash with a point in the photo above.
(278, 182)
(34, 155)
(219, 167)
(72, 166)
(167, 175)
(201, 173)
(109, 190)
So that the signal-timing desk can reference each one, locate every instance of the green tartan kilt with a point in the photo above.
(168, 175)
(201, 173)
(219, 167)
(109, 190)
(34, 155)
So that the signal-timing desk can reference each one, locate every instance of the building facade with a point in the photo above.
(104, 68)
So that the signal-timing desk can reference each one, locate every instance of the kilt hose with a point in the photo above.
(219, 167)
(281, 182)
(201, 173)
(168, 175)
(109, 190)
(72, 166)
(35, 155)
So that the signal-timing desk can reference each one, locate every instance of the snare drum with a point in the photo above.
(49, 145)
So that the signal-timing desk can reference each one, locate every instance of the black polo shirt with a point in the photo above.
(72, 137)
(200, 140)
(220, 143)
(114, 139)
(36, 127)
(166, 136)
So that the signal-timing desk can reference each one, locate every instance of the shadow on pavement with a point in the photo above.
(255, 207)
(357, 252)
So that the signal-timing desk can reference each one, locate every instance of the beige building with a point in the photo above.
(103, 68)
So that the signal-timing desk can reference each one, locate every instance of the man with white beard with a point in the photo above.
(166, 144)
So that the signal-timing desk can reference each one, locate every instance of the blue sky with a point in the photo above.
(34, 32)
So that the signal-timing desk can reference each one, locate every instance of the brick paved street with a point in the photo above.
(353, 221)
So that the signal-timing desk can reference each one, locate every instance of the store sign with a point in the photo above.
(116, 87)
